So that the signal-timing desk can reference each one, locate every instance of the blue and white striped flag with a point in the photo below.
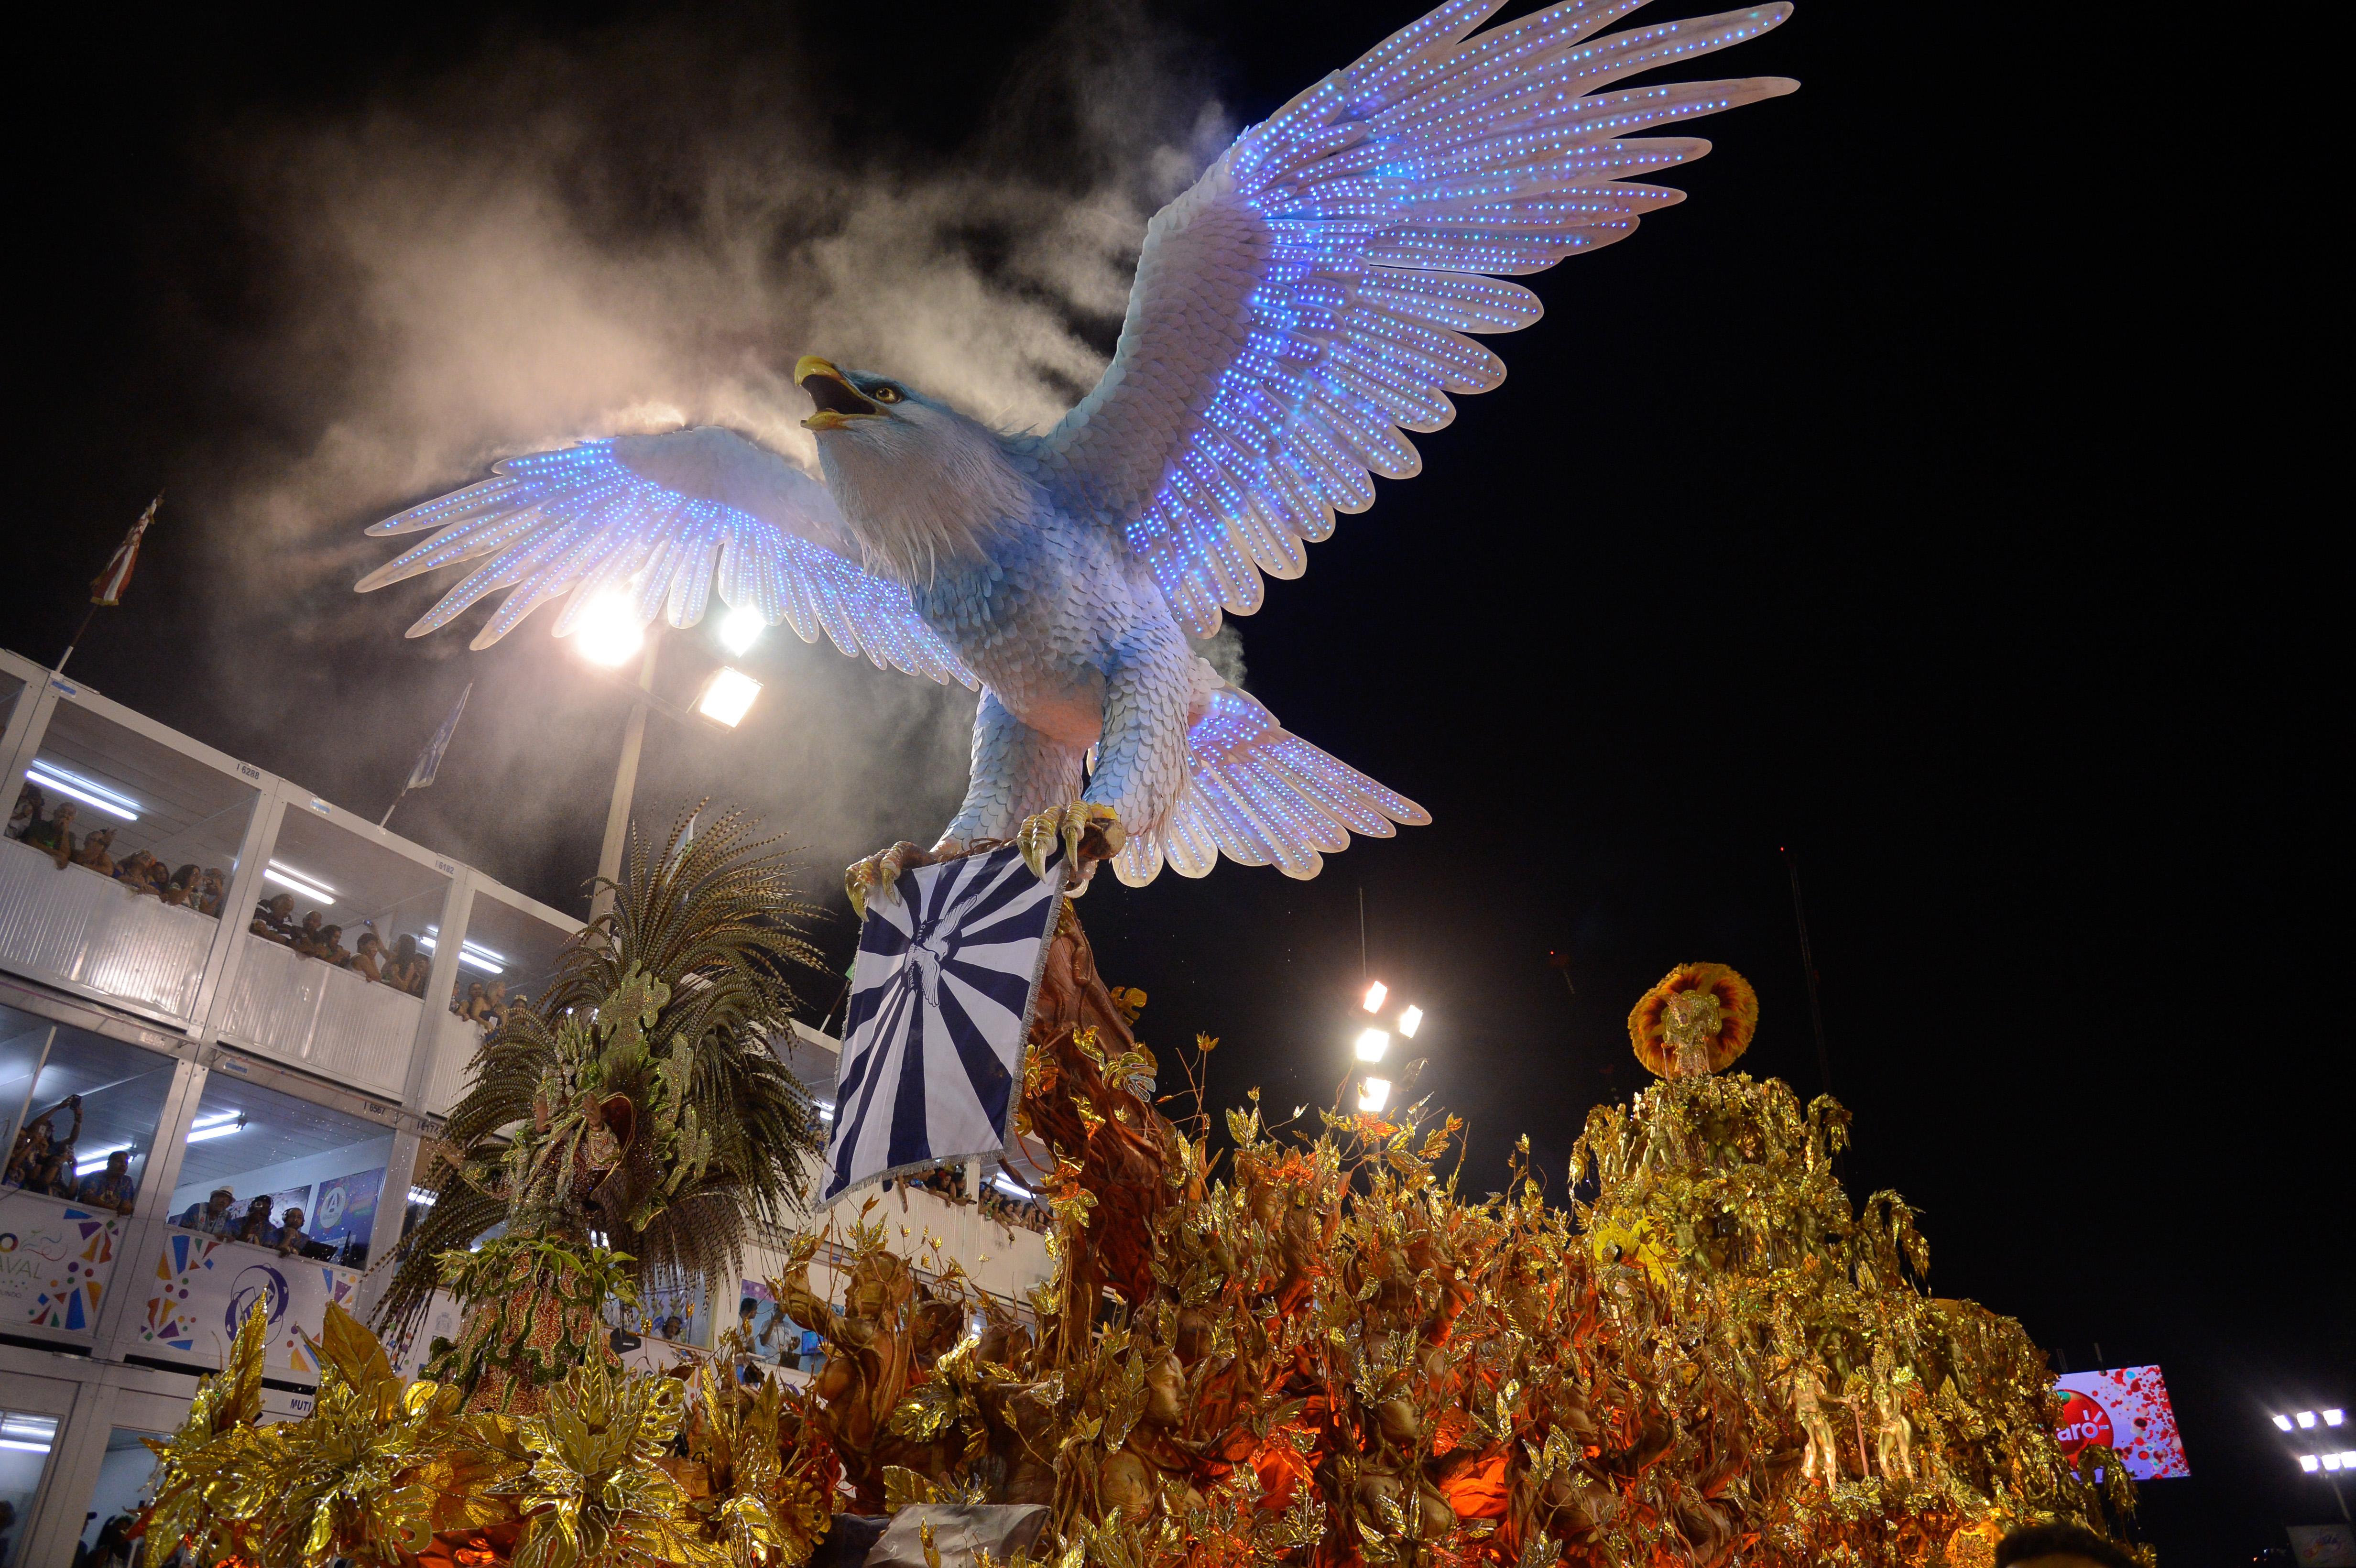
(429, 761)
(940, 1011)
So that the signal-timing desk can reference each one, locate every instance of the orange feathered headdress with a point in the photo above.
(1657, 1012)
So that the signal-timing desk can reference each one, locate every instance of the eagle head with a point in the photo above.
(923, 488)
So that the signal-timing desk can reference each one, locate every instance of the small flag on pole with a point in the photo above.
(106, 587)
(429, 761)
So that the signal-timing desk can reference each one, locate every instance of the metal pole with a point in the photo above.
(32, 1087)
(625, 783)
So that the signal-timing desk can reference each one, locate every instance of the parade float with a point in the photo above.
(1302, 1343)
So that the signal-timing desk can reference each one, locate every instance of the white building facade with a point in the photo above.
(215, 1059)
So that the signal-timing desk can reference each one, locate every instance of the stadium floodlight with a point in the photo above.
(2305, 1419)
(1373, 1095)
(2283, 1422)
(2334, 1417)
(610, 631)
(1372, 1044)
(2309, 1463)
(728, 695)
(2332, 1462)
(1411, 1021)
(1375, 994)
(741, 628)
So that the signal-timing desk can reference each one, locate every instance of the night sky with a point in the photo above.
(1870, 506)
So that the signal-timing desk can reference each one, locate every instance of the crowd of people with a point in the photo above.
(947, 1181)
(41, 1161)
(189, 887)
(218, 1216)
(1015, 1214)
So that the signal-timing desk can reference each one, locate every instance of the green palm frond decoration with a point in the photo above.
(636, 1102)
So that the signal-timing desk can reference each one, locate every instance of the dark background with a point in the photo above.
(1906, 500)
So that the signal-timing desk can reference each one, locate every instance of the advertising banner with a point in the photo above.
(204, 1286)
(2125, 1408)
(2322, 1545)
(346, 1208)
(56, 1258)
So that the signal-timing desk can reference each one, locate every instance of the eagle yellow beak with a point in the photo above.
(839, 403)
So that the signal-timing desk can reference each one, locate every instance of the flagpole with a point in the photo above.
(75, 641)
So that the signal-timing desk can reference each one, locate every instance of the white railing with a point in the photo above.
(334, 1022)
(70, 923)
(455, 1044)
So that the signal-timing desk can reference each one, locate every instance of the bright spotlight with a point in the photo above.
(2306, 1420)
(2332, 1462)
(741, 628)
(1375, 994)
(1373, 1095)
(2334, 1417)
(2309, 1463)
(2283, 1422)
(727, 694)
(609, 630)
(1411, 1021)
(1372, 1044)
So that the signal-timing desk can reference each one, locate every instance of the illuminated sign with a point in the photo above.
(2125, 1408)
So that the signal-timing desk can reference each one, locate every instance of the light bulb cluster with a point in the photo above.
(2318, 1420)
(1373, 1044)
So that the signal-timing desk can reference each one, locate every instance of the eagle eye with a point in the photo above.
(887, 393)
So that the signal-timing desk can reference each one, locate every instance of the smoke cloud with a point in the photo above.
(630, 232)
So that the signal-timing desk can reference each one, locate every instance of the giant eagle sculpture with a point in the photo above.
(1314, 294)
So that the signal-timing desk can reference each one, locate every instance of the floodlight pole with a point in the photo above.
(625, 783)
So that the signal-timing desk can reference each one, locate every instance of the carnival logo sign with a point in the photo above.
(256, 1282)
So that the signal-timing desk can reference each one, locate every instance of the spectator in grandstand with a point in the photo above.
(499, 1004)
(182, 890)
(213, 892)
(273, 920)
(306, 935)
(113, 1187)
(255, 1227)
(55, 835)
(30, 1155)
(55, 1175)
(212, 1216)
(292, 1237)
(95, 852)
(28, 811)
(407, 970)
(368, 960)
(330, 948)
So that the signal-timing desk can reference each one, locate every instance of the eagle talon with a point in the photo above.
(1091, 831)
(875, 874)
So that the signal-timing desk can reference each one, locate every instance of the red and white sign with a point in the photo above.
(2125, 1408)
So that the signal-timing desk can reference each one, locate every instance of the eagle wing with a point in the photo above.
(660, 518)
(1309, 296)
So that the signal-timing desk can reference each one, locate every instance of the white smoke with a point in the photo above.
(592, 240)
